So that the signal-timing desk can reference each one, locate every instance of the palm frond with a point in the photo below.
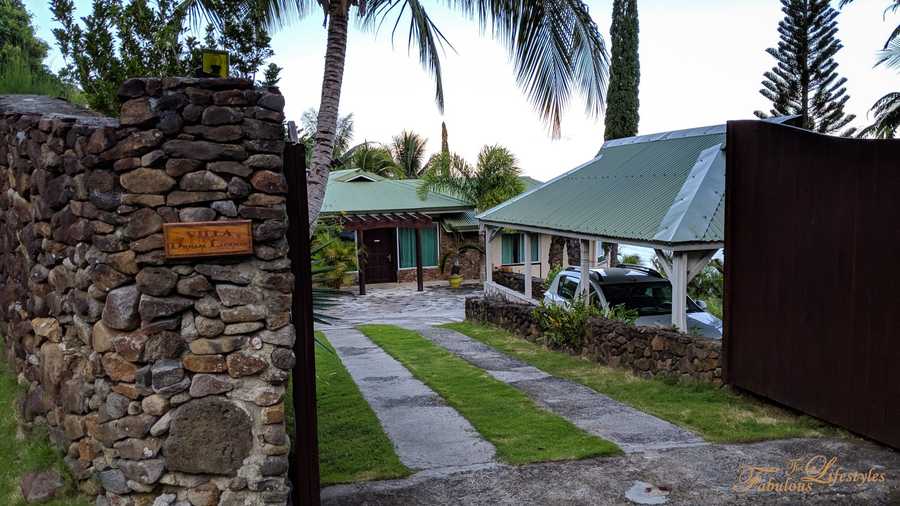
(890, 55)
(423, 35)
(555, 46)
(556, 49)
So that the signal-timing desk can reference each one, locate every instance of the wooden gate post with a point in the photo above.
(305, 461)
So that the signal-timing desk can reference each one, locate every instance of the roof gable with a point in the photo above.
(358, 191)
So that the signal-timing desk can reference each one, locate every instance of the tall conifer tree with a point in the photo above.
(804, 80)
(624, 73)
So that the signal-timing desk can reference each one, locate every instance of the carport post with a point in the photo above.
(679, 289)
(488, 260)
(584, 253)
(419, 281)
(528, 259)
(361, 262)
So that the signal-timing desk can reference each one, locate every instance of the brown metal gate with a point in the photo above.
(812, 293)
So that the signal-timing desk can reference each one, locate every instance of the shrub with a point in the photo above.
(554, 270)
(621, 313)
(564, 326)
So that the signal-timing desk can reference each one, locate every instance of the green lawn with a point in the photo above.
(521, 431)
(34, 453)
(717, 414)
(352, 444)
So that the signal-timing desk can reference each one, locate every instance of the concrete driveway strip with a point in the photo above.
(426, 433)
(595, 413)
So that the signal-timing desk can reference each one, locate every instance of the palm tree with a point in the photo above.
(493, 180)
(887, 117)
(309, 123)
(408, 149)
(887, 108)
(371, 157)
(555, 47)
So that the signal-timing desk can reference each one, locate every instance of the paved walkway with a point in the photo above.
(597, 414)
(705, 475)
(426, 433)
(401, 303)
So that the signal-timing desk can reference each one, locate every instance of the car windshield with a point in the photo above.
(646, 298)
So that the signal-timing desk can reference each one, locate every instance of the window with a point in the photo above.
(513, 246)
(406, 241)
(567, 287)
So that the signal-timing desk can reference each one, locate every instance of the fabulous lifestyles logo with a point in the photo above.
(801, 476)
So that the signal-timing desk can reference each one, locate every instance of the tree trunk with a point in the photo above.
(557, 245)
(573, 251)
(332, 80)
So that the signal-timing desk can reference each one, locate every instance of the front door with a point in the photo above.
(381, 255)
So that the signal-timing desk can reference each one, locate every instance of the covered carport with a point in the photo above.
(664, 191)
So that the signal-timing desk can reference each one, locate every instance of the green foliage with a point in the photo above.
(334, 256)
(271, 75)
(17, 75)
(804, 80)
(555, 269)
(564, 326)
(120, 39)
(17, 35)
(521, 431)
(370, 157)
(22, 55)
(622, 111)
(32, 453)
(495, 179)
(408, 149)
(621, 313)
(633, 259)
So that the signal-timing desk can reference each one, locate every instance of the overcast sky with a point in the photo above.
(701, 64)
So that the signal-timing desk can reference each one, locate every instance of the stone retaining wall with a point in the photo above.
(645, 351)
(516, 281)
(157, 378)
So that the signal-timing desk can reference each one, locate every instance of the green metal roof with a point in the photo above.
(530, 182)
(664, 189)
(357, 191)
(460, 222)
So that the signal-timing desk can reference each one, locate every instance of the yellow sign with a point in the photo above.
(801, 476)
(215, 63)
(208, 238)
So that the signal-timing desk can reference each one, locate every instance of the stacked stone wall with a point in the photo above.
(646, 351)
(157, 378)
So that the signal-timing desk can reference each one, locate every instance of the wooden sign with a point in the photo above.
(208, 238)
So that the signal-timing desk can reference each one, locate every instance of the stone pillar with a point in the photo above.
(157, 377)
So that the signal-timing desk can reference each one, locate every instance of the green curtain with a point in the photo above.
(407, 239)
(507, 246)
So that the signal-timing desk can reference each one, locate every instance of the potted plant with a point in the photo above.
(456, 278)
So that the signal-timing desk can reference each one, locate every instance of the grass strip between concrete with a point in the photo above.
(718, 415)
(521, 431)
(352, 443)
